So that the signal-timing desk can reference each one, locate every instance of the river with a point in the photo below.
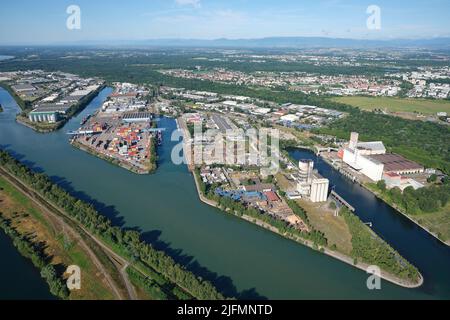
(240, 258)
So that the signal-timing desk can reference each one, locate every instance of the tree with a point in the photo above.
(432, 178)
(381, 185)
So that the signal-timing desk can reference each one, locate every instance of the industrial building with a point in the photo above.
(395, 163)
(311, 184)
(48, 112)
(137, 117)
(371, 159)
(43, 116)
(319, 190)
(358, 156)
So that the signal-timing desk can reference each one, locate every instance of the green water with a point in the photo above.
(240, 258)
(19, 278)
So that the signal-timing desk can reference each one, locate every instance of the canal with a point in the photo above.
(241, 259)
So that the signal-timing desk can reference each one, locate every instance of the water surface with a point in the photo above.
(242, 259)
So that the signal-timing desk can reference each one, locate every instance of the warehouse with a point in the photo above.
(260, 187)
(43, 116)
(54, 107)
(23, 88)
(137, 117)
(360, 157)
(395, 163)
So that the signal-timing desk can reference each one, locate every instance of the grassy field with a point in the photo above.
(28, 220)
(334, 228)
(438, 222)
(397, 104)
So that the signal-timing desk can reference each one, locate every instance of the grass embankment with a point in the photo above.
(153, 155)
(436, 221)
(368, 248)
(124, 246)
(348, 235)
(334, 228)
(424, 106)
(344, 237)
(58, 247)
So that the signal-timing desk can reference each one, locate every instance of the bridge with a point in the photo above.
(317, 149)
(328, 149)
(154, 130)
(341, 201)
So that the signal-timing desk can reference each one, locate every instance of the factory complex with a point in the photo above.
(50, 97)
(120, 133)
(372, 160)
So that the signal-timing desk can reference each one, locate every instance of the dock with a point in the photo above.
(341, 201)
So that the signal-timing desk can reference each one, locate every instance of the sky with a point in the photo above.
(45, 21)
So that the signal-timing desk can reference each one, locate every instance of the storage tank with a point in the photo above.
(306, 169)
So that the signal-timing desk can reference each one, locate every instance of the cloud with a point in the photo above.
(194, 3)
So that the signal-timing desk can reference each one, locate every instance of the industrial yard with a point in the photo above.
(49, 99)
(121, 133)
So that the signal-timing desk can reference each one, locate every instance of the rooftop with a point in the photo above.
(375, 146)
(395, 162)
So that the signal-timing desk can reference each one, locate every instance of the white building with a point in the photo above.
(357, 156)
(290, 118)
(319, 190)
(311, 184)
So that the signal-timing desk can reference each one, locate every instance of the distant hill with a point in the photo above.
(283, 42)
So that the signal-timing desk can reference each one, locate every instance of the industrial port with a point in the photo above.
(123, 131)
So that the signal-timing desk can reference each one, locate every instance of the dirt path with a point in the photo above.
(53, 213)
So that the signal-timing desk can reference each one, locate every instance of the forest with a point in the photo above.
(424, 200)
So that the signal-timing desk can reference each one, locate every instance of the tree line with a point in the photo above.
(424, 200)
(38, 257)
(370, 249)
(128, 242)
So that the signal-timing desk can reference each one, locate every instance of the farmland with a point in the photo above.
(428, 107)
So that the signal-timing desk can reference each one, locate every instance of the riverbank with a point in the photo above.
(116, 162)
(379, 196)
(62, 244)
(45, 127)
(117, 243)
(339, 256)
(24, 105)
(399, 210)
